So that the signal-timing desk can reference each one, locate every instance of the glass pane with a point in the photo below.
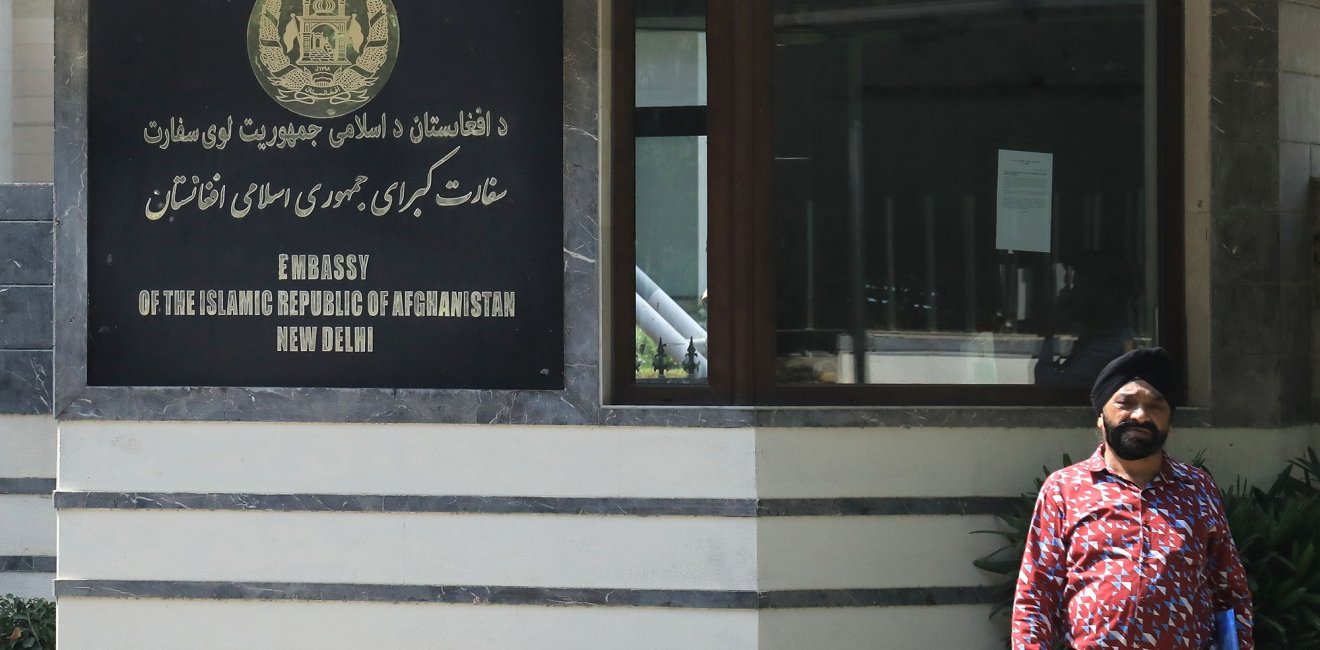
(963, 190)
(27, 72)
(671, 184)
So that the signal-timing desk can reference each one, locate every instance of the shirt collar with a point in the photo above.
(1170, 469)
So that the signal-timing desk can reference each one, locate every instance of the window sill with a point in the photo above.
(990, 417)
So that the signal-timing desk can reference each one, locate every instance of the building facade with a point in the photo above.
(600, 515)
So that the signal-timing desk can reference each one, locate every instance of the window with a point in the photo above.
(920, 202)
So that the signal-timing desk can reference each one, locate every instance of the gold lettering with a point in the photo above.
(295, 339)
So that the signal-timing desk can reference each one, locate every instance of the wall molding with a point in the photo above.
(624, 506)
(885, 506)
(27, 486)
(533, 596)
(27, 564)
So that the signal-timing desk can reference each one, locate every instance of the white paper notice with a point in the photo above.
(1024, 201)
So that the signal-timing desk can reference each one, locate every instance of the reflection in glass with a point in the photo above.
(962, 190)
(671, 191)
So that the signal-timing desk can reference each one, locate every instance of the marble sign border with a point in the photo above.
(578, 403)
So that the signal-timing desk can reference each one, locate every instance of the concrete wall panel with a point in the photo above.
(137, 624)
(873, 552)
(416, 549)
(406, 459)
(28, 585)
(824, 463)
(27, 447)
(27, 525)
(892, 628)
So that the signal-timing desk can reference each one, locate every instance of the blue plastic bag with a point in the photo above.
(1226, 635)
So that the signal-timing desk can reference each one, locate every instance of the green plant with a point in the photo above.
(1007, 559)
(1276, 530)
(26, 623)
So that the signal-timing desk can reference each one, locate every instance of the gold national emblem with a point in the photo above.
(323, 58)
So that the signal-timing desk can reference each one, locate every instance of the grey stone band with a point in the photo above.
(27, 564)
(29, 486)
(884, 506)
(633, 507)
(895, 597)
(537, 596)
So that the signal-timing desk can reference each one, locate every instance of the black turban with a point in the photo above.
(1151, 365)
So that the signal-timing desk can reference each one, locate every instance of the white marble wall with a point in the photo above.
(198, 625)
(212, 549)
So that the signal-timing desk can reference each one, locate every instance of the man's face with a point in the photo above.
(1135, 421)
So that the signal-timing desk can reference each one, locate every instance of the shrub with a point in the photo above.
(1277, 532)
(26, 623)
(1007, 559)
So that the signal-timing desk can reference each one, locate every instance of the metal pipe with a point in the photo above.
(670, 311)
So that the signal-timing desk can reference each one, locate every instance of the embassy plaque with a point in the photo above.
(325, 193)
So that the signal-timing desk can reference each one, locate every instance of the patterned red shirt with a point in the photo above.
(1111, 565)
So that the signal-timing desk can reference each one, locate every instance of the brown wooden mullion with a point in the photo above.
(760, 47)
(722, 145)
(622, 194)
(1170, 201)
(753, 273)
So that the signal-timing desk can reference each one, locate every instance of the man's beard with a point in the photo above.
(1127, 444)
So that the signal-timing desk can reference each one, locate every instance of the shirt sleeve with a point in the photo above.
(1228, 580)
(1038, 600)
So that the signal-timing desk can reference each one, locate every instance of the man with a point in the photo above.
(1129, 548)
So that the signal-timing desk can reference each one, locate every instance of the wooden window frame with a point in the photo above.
(741, 231)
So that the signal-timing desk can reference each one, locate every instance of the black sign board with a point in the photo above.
(325, 193)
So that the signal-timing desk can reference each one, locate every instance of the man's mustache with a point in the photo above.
(1127, 425)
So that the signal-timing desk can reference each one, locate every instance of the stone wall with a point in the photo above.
(1264, 95)
(1299, 161)
(26, 321)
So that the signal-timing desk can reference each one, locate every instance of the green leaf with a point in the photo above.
(1012, 537)
(1292, 598)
